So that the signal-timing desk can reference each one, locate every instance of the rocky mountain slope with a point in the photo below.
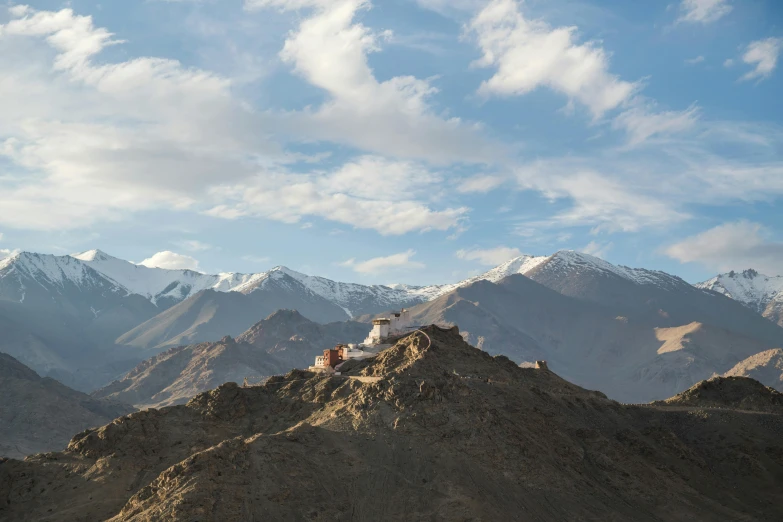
(766, 367)
(630, 358)
(739, 393)
(295, 340)
(59, 315)
(763, 294)
(40, 414)
(284, 340)
(428, 430)
(209, 315)
(654, 297)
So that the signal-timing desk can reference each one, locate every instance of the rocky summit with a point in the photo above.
(430, 429)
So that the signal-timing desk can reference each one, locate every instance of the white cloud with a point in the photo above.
(401, 261)
(703, 11)
(728, 63)
(6, 253)
(194, 245)
(693, 61)
(764, 55)
(448, 7)
(597, 249)
(171, 261)
(19, 10)
(529, 54)
(481, 183)
(369, 193)
(644, 122)
(393, 117)
(284, 5)
(732, 246)
(598, 199)
(491, 256)
(91, 141)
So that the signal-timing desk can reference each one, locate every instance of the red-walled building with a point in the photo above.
(332, 357)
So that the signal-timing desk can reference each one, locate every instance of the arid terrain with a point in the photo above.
(41, 414)
(431, 429)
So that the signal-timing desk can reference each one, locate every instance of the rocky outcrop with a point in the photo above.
(739, 393)
(430, 429)
(766, 367)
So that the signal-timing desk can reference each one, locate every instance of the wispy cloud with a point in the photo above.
(598, 249)
(732, 246)
(763, 55)
(703, 11)
(377, 265)
(490, 256)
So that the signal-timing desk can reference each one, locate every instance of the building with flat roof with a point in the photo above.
(398, 323)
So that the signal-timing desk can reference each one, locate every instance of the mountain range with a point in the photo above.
(430, 429)
(89, 318)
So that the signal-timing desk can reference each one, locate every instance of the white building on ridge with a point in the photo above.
(382, 329)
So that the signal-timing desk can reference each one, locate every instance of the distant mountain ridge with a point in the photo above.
(88, 318)
(759, 292)
(274, 345)
(165, 287)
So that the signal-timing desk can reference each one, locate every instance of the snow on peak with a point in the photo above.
(46, 269)
(157, 283)
(570, 260)
(92, 255)
(748, 287)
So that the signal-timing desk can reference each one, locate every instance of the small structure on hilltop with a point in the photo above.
(542, 365)
(384, 328)
(334, 357)
(384, 331)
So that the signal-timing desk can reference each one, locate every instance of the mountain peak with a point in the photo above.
(92, 255)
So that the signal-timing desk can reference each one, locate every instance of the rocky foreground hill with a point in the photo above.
(41, 414)
(431, 429)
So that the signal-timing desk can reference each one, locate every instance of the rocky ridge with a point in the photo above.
(740, 393)
(766, 367)
(431, 429)
(284, 340)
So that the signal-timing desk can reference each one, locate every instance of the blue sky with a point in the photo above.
(419, 141)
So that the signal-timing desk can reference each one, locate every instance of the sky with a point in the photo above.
(416, 141)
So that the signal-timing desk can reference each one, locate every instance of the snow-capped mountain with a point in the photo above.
(164, 287)
(758, 292)
(568, 263)
(160, 286)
